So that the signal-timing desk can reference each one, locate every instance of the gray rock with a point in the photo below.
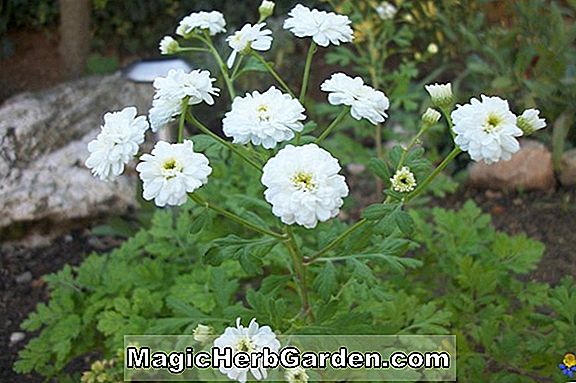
(568, 168)
(529, 169)
(16, 337)
(23, 278)
(43, 138)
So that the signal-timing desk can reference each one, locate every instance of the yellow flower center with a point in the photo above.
(303, 181)
(245, 345)
(263, 112)
(492, 123)
(171, 167)
(569, 360)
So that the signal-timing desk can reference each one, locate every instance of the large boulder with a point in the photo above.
(529, 169)
(43, 138)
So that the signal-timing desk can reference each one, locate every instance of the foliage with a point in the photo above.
(161, 281)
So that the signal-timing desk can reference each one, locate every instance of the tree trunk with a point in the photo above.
(74, 35)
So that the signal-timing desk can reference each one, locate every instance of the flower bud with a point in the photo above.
(441, 94)
(403, 180)
(169, 46)
(530, 121)
(266, 9)
(296, 375)
(203, 334)
(431, 116)
(386, 11)
(432, 48)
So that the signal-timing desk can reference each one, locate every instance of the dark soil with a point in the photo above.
(17, 300)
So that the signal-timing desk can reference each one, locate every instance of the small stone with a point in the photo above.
(16, 337)
(529, 169)
(568, 168)
(68, 238)
(355, 169)
(23, 278)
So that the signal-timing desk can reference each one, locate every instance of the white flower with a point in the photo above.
(168, 45)
(212, 21)
(264, 118)
(117, 143)
(249, 37)
(266, 9)
(431, 116)
(441, 94)
(530, 121)
(486, 129)
(171, 171)
(324, 27)
(303, 185)
(403, 180)
(203, 334)
(247, 339)
(296, 375)
(386, 11)
(366, 102)
(174, 88)
(432, 48)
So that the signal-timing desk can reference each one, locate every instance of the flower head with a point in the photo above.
(266, 9)
(171, 91)
(386, 10)
(403, 180)
(117, 143)
(529, 121)
(249, 339)
(303, 185)
(441, 94)
(366, 102)
(213, 22)
(168, 45)
(203, 334)
(249, 37)
(486, 129)
(171, 171)
(431, 116)
(296, 375)
(264, 118)
(324, 27)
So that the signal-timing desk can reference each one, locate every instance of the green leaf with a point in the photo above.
(378, 211)
(325, 282)
(380, 169)
(404, 221)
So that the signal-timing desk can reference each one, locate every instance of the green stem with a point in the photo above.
(410, 146)
(420, 188)
(200, 201)
(225, 143)
(193, 49)
(338, 239)
(306, 75)
(334, 123)
(274, 74)
(182, 120)
(223, 68)
(236, 67)
(300, 271)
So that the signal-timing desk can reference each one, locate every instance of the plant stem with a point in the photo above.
(338, 239)
(274, 74)
(182, 120)
(420, 188)
(334, 123)
(193, 49)
(227, 144)
(300, 270)
(410, 146)
(200, 201)
(306, 75)
(223, 68)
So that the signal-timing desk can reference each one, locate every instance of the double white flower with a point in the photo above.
(303, 185)
(365, 101)
(117, 143)
(324, 27)
(213, 22)
(171, 171)
(249, 37)
(247, 339)
(486, 129)
(174, 88)
(264, 118)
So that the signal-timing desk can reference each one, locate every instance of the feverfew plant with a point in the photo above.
(261, 234)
